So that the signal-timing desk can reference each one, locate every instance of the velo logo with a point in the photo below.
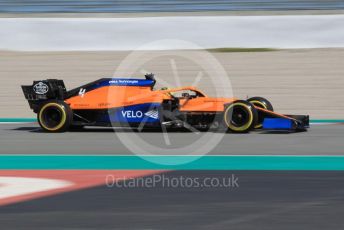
(132, 114)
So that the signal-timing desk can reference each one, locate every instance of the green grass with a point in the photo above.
(225, 50)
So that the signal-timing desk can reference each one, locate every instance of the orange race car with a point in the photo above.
(135, 103)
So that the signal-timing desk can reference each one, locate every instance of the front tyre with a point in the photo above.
(240, 116)
(263, 103)
(55, 116)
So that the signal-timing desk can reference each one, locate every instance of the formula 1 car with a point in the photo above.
(135, 103)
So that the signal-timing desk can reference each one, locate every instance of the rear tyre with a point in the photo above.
(240, 116)
(263, 103)
(55, 116)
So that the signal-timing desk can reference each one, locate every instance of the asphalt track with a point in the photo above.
(27, 138)
(263, 200)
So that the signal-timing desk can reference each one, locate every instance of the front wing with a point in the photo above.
(276, 121)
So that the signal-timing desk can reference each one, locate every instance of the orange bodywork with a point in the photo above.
(204, 104)
(273, 114)
(119, 96)
(114, 96)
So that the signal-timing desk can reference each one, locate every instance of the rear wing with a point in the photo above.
(44, 90)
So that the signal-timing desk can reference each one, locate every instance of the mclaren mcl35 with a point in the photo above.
(135, 103)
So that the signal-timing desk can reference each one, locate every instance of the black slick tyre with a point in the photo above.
(55, 116)
(263, 103)
(240, 116)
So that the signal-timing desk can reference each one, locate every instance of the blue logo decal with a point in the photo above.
(147, 113)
